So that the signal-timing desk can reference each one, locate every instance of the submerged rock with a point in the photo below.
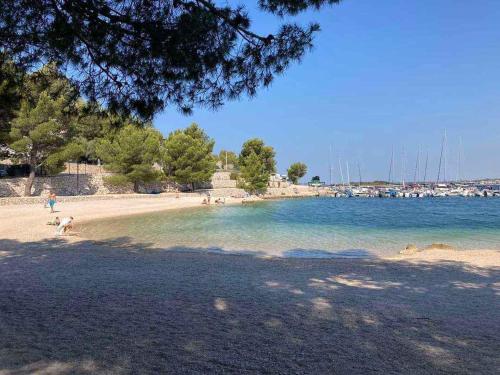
(439, 246)
(409, 249)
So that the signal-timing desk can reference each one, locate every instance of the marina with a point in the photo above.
(463, 189)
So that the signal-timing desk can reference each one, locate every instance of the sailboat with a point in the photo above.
(440, 189)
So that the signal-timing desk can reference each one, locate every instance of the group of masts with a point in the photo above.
(341, 171)
(442, 175)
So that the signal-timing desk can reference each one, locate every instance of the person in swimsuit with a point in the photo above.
(52, 201)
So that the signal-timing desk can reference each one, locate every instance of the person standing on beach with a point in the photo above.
(52, 201)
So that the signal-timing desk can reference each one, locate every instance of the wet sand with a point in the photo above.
(71, 305)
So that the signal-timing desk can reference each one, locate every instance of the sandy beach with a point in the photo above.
(28, 222)
(70, 305)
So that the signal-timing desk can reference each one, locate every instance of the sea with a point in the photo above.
(313, 227)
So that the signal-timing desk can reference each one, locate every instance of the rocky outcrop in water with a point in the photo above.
(409, 250)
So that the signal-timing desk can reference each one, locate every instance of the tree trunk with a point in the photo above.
(29, 182)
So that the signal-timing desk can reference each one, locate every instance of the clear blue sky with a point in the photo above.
(383, 74)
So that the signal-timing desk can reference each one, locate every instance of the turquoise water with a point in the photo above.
(316, 227)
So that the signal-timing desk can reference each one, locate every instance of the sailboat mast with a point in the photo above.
(359, 172)
(391, 165)
(348, 177)
(417, 166)
(341, 173)
(425, 169)
(403, 167)
(330, 165)
(440, 159)
(444, 156)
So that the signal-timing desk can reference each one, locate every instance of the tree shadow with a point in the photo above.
(122, 307)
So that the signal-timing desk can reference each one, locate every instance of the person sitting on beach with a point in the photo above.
(204, 201)
(65, 225)
(56, 221)
(51, 201)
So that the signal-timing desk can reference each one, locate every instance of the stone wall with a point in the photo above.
(91, 180)
(291, 191)
(276, 181)
(91, 184)
(159, 187)
(73, 184)
(62, 184)
(222, 180)
(82, 168)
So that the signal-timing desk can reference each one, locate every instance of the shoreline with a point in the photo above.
(27, 223)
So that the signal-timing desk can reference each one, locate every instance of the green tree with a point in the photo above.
(44, 123)
(143, 55)
(265, 153)
(94, 124)
(254, 175)
(296, 172)
(229, 158)
(10, 95)
(132, 153)
(187, 156)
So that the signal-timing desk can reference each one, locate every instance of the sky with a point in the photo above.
(383, 75)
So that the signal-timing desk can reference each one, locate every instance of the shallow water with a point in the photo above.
(316, 227)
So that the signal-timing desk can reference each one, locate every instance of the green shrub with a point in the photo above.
(116, 180)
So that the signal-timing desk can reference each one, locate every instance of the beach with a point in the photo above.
(74, 305)
(29, 221)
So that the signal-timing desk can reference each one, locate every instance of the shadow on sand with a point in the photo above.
(124, 307)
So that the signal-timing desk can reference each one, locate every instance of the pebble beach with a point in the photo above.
(72, 305)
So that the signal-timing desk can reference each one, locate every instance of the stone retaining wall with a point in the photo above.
(77, 184)
(63, 184)
(290, 191)
(83, 168)
(91, 180)
(222, 180)
(95, 184)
